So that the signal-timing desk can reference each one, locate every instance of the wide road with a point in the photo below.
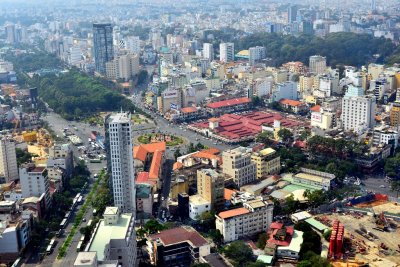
(166, 127)
(83, 130)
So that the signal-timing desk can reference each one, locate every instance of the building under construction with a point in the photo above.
(336, 241)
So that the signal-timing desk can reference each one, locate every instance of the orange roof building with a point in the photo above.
(151, 155)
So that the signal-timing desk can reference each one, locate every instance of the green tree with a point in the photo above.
(239, 253)
(315, 197)
(262, 240)
(216, 236)
(177, 153)
(395, 187)
(285, 135)
(267, 138)
(142, 76)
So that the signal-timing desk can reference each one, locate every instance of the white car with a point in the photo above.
(382, 186)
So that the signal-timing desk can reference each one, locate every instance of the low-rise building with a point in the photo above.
(314, 179)
(291, 251)
(197, 206)
(294, 106)
(253, 218)
(227, 106)
(89, 259)
(267, 162)
(385, 135)
(114, 238)
(175, 247)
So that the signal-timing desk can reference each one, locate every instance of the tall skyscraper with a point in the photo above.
(317, 64)
(119, 135)
(8, 160)
(10, 33)
(208, 51)
(102, 45)
(226, 52)
(292, 13)
(373, 5)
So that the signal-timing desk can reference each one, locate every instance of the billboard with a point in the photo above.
(174, 106)
(170, 94)
(316, 117)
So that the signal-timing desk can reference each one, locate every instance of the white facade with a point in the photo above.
(263, 86)
(197, 206)
(329, 85)
(286, 90)
(114, 238)
(253, 218)
(256, 53)
(132, 43)
(123, 67)
(121, 156)
(226, 52)
(317, 64)
(8, 159)
(383, 135)
(34, 182)
(208, 51)
(74, 56)
(358, 111)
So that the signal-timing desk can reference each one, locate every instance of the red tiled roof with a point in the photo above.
(289, 102)
(228, 193)
(177, 166)
(316, 108)
(179, 235)
(233, 213)
(274, 228)
(140, 152)
(156, 164)
(188, 110)
(229, 102)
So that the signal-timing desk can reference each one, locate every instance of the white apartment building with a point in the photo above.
(74, 56)
(317, 64)
(358, 110)
(123, 67)
(34, 182)
(197, 206)
(114, 238)
(286, 90)
(121, 157)
(329, 85)
(132, 43)
(8, 159)
(256, 53)
(208, 51)
(238, 165)
(253, 218)
(226, 52)
(385, 135)
(262, 86)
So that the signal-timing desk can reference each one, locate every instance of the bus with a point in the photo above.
(49, 249)
(52, 242)
(79, 246)
(67, 215)
(82, 238)
(63, 223)
(94, 212)
(80, 200)
(89, 223)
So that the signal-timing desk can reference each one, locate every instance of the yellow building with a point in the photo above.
(210, 186)
(267, 162)
(178, 186)
(395, 115)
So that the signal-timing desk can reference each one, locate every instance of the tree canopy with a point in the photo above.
(344, 48)
(75, 95)
(239, 253)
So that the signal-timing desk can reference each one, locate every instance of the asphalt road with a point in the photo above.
(57, 123)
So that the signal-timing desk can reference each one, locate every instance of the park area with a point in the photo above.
(170, 140)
